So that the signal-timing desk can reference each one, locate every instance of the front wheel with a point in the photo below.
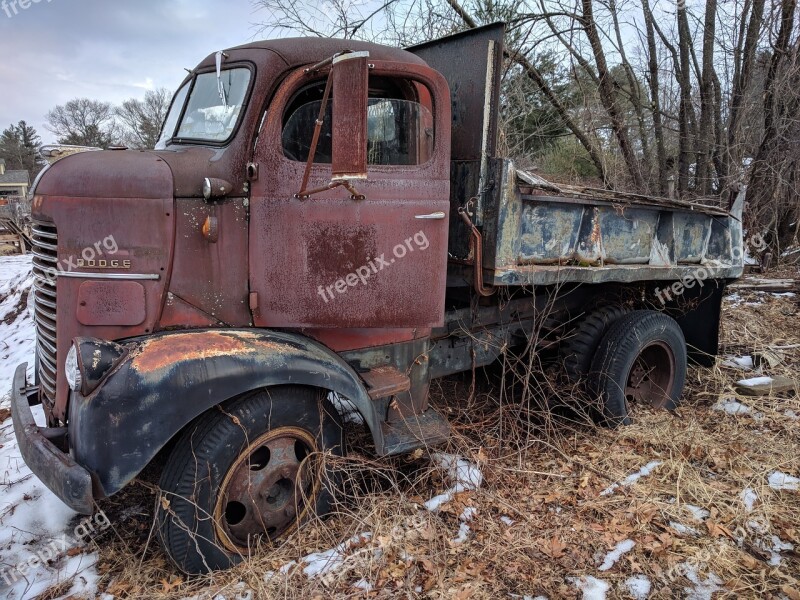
(642, 359)
(243, 472)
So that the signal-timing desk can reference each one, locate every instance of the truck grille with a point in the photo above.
(45, 261)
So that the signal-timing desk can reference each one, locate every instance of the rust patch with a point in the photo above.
(163, 352)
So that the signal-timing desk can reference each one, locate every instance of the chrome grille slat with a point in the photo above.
(45, 252)
(45, 229)
(46, 344)
(46, 335)
(43, 302)
(46, 257)
(45, 290)
(47, 315)
(45, 245)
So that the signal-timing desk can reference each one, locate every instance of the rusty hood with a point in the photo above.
(107, 174)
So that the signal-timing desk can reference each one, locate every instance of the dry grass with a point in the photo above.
(546, 474)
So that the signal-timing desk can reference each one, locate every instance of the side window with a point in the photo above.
(399, 124)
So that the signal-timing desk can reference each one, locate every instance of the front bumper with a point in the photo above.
(56, 469)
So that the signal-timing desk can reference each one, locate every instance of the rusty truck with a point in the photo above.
(330, 219)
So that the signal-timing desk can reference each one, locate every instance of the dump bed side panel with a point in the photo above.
(535, 236)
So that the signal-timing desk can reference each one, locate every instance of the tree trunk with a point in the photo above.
(706, 136)
(684, 74)
(655, 100)
(608, 96)
(743, 69)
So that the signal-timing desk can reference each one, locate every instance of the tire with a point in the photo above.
(642, 358)
(239, 473)
(579, 350)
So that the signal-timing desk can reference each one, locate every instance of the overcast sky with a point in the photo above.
(110, 50)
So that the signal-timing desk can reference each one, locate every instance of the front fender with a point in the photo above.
(168, 379)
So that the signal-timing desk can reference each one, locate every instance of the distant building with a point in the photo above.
(13, 184)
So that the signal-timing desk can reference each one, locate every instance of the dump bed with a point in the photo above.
(537, 233)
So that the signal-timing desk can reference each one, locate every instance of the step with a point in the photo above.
(417, 431)
(384, 382)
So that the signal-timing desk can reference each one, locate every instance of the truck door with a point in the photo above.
(335, 258)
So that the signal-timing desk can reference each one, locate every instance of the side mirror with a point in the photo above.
(350, 74)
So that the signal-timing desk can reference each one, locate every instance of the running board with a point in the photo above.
(415, 431)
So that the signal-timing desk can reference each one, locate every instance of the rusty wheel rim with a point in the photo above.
(268, 488)
(652, 376)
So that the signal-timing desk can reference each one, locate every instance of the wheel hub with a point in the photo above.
(652, 376)
(267, 488)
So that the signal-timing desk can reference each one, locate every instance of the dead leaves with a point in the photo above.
(554, 548)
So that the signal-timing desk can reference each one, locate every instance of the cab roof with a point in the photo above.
(309, 50)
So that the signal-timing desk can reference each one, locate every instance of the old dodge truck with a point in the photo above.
(328, 219)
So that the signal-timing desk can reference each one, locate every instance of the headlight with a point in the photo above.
(71, 370)
(89, 360)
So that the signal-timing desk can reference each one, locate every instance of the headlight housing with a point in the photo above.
(72, 370)
(89, 361)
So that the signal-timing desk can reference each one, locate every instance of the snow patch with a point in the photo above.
(739, 362)
(319, 563)
(632, 478)
(615, 554)
(592, 588)
(749, 498)
(732, 407)
(754, 381)
(506, 520)
(464, 475)
(638, 587)
(463, 529)
(36, 528)
(704, 588)
(683, 529)
(698, 513)
(782, 481)
(346, 409)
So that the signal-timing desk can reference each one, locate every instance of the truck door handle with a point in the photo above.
(436, 215)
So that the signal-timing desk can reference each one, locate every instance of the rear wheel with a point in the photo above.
(579, 349)
(642, 359)
(246, 472)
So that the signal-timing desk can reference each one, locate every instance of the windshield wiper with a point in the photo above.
(220, 85)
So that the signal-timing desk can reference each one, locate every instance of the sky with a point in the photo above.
(110, 50)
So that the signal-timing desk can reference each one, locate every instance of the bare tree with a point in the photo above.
(84, 122)
(142, 119)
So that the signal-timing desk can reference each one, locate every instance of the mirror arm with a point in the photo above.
(354, 195)
(315, 139)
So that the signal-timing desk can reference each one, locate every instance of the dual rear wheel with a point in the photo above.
(627, 358)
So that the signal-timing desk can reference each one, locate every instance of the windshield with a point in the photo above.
(172, 118)
(212, 110)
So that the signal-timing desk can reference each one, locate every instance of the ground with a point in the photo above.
(700, 503)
